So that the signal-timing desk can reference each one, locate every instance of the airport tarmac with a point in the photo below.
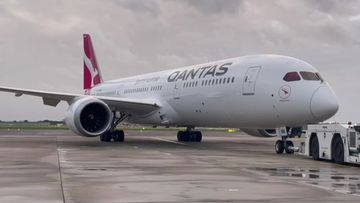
(57, 166)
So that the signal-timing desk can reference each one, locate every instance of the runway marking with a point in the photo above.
(59, 169)
(166, 140)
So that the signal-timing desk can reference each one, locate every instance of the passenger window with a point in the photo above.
(309, 75)
(291, 76)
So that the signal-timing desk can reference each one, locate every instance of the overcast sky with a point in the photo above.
(41, 42)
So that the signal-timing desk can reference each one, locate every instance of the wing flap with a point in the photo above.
(51, 101)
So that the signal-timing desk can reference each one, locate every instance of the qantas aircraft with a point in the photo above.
(264, 95)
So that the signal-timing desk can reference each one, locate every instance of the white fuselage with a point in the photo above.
(243, 92)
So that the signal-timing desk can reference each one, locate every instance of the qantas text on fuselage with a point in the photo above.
(202, 72)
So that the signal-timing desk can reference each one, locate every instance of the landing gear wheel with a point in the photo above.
(315, 148)
(183, 136)
(338, 150)
(189, 136)
(279, 147)
(106, 137)
(179, 136)
(118, 136)
(198, 136)
(195, 136)
(289, 147)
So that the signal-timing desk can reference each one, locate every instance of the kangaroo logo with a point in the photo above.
(93, 71)
(285, 92)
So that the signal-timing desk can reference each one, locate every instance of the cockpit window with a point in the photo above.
(319, 76)
(291, 76)
(309, 75)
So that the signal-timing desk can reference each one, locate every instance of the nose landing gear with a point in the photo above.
(287, 145)
(284, 145)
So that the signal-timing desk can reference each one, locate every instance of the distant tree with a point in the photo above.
(26, 121)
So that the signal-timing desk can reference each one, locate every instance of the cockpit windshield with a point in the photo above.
(305, 75)
(319, 76)
(291, 76)
(309, 75)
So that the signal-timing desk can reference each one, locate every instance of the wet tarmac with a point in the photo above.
(57, 166)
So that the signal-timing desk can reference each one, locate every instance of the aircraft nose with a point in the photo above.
(323, 104)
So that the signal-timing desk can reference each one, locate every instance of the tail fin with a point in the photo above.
(92, 75)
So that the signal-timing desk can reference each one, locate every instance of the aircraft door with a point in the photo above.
(177, 87)
(250, 80)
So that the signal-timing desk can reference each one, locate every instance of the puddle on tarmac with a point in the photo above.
(289, 172)
(329, 178)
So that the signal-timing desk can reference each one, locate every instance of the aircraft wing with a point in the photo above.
(122, 104)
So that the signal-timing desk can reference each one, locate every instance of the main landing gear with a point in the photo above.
(189, 136)
(284, 145)
(116, 135)
(112, 134)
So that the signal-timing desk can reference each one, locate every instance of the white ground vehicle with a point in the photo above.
(333, 141)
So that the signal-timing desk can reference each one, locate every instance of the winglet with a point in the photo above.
(92, 75)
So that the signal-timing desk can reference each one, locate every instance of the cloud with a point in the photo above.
(334, 7)
(211, 7)
(140, 6)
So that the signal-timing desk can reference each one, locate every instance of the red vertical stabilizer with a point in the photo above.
(92, 75)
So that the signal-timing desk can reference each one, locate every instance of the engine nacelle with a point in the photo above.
(261, 132)
(89, 117)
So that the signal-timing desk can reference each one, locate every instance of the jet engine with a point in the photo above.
(89, 117)
(261, 132)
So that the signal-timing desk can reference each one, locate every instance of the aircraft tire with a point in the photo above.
(185, 136)
(193, 136)
(106, 137)
(118, 136)
(198, 136)
(289, 144)
(179, 136)
(279, 147)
